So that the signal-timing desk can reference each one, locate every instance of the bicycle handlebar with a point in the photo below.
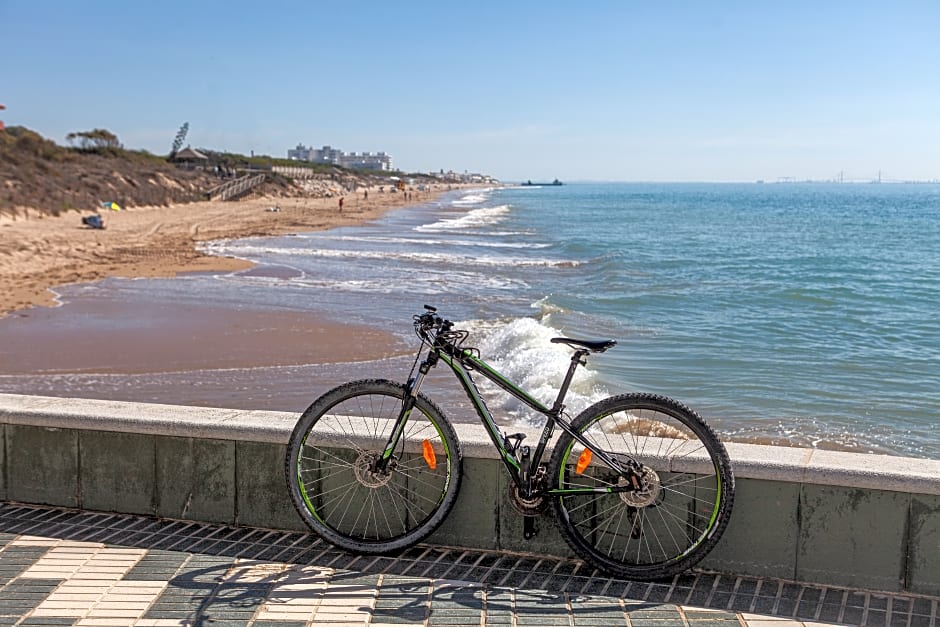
(427, 322)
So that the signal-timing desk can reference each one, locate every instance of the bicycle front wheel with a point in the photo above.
(339, 491)
(683, 502)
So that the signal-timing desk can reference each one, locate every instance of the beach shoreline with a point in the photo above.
(40, 253)
(201, 353)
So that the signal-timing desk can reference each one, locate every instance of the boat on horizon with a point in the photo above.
(554, 183)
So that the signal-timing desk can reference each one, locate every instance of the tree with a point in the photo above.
(180, 138)
(93, 141)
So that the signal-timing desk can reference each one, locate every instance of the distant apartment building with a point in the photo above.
(328, 154)
(465, 177)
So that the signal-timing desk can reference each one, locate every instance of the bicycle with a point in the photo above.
(640, 485)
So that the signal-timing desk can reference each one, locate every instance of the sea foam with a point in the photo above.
(478, 218)
(257, 251)
(522, 351)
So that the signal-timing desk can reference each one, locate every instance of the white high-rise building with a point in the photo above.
(328, 154)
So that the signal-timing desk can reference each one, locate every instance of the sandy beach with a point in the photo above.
(39, 253)
(95, 337)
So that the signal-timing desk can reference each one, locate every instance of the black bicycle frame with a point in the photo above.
(462, 361)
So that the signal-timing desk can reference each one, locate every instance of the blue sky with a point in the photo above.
(616, 90)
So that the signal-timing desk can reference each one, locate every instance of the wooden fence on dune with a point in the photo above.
(235, 188)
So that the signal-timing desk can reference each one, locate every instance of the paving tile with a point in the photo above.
(59, 611)
(29, 540)
(174, 587)
(298, 614)
(175, 614)
(705, 614)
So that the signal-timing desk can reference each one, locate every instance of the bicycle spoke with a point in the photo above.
(691, 479)
(344, 434)
(411, 507)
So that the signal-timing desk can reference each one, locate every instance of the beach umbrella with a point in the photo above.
(113, 206)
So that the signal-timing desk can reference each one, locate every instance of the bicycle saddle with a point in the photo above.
(595, 346)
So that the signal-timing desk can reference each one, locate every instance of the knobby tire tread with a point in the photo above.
(323, 405)
(716, 451)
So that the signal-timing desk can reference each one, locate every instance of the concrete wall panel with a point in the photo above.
(474, 520)
(853, 536)
(262, 499)
(924, 542)
(195, 479)
(761, 537)
(117, 471)
(42, 465)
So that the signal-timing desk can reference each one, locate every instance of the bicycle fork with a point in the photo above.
(381, 464)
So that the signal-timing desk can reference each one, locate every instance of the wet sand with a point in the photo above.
(89, 336)
(42, 337)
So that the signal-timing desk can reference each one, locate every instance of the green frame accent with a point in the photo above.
(482, 411)
(396, 434)
(500, 379)
(513, 465)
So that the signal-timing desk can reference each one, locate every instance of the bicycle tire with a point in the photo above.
(643, 536)
(340, 499)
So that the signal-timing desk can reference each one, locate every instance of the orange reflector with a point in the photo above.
(584, 460)
(428, 451)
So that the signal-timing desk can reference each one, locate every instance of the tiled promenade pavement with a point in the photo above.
(65, 567)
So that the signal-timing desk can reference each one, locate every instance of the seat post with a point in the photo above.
(576, 360)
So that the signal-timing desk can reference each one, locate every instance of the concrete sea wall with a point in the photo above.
(841, 519)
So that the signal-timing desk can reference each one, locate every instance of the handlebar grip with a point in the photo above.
(431, 320)
(427, 320)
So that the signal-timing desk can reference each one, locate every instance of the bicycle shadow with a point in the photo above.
(238, 591)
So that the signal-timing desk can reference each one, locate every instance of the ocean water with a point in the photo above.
(783, 313)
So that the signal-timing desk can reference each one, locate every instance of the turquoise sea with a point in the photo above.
(800, 313)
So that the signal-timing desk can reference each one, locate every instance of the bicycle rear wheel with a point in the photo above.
(663, 529)
(333, 481)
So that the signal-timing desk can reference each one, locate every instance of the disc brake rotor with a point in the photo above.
(362, 468)
(646, 497)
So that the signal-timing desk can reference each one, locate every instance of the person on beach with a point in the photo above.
(341, 204)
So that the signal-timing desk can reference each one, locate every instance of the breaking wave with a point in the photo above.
(521, 349)
(235, 249)
(478, 218)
